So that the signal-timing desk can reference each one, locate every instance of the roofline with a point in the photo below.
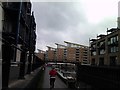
(60, 45)
(75, 44)
(50, 47)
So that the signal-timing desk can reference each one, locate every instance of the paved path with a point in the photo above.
(45, 84)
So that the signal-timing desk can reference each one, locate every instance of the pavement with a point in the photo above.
(24, 83)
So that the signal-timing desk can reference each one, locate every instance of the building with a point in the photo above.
(71, 53)
(77, 53)
(105, 50)
(51, 54)
(41, 55)
(18, 39)
(61, 52)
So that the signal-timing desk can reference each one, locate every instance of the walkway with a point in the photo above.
(44, 81)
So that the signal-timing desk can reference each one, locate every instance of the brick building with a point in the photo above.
(71, 53)
(60, 52)
(41, 55)
(77, 53)
(51, 54)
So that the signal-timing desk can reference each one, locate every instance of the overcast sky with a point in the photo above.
(72, 20)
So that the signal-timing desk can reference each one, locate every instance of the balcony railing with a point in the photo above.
(113, 44)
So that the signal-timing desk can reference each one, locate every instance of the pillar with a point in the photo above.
(6, 56)
(22, 63)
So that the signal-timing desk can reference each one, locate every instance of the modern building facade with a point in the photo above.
(77, 53)
(105, 50)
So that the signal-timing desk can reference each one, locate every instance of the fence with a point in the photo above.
(101, 77)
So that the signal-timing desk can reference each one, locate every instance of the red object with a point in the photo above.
(53, 73)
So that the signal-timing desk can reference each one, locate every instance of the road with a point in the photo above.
(44, 82)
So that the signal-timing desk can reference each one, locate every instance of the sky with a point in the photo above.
(75, 21)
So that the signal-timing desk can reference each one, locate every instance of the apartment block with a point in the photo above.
(105, 50)
(77, 53)
(51, 54)
(41, 55)
(71, 52)
(60, 52)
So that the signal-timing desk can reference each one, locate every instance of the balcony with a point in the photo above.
(113, 30)
(113, 44)
(11, 6)
(92, 49)
(101, 36)
(101, 47)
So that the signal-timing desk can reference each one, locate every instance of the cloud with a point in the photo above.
(66, 21)
(57, 16)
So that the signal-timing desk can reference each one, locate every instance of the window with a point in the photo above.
(93, 53)
(101, 61)
(93, 62)
(93, 46)
(102, 51)
(114, 49)
(101, 43)
(117, 38)
(113, 39)
(109, 43)
(113, 60)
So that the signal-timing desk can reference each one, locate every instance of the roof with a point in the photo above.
(75, 44)
(60, 45)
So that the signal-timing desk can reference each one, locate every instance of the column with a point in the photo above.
(29, 63)
(6, 56)
(22, 63)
